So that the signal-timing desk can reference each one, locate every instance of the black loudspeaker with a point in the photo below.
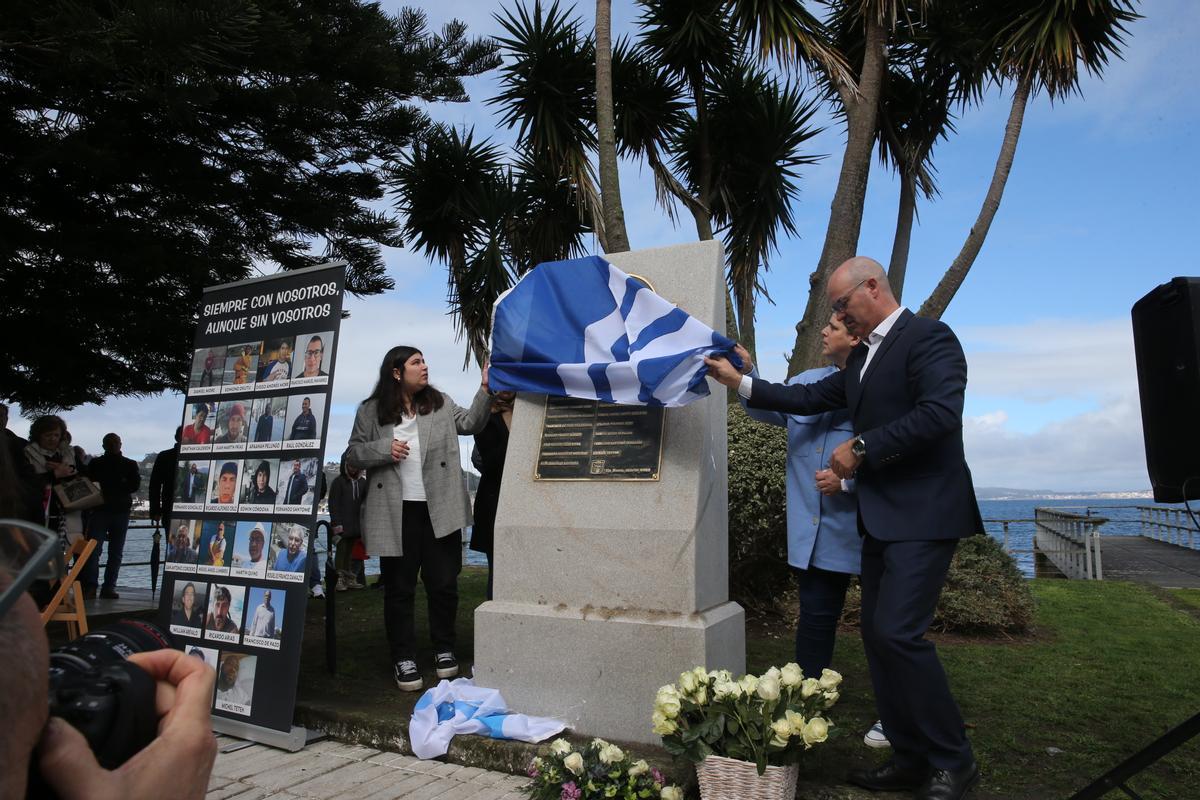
(1166, 343)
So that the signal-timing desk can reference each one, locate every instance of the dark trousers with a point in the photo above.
(106, 526)
(489, 583)
(437, 562)
(901, 582)
(822, 596)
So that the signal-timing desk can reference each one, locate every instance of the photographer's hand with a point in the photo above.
(176, 764)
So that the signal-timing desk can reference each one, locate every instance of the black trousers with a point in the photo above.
(901, 582)
(437, 562)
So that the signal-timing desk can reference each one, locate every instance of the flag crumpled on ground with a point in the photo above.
(583, 328)
(459, 706)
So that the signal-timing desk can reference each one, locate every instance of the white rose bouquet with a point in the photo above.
(597, 770)
(765, 719)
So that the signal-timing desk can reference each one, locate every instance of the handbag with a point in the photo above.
(78, 493)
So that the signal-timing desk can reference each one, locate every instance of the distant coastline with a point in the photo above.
(1002, 493)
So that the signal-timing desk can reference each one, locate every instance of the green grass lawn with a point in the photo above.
(1110, 667)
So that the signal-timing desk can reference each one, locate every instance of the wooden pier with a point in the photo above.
(1144, 560)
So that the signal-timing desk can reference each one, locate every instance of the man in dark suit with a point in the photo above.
(904, 387)
(162, 496)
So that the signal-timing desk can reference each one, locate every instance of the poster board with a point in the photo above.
(247, 487)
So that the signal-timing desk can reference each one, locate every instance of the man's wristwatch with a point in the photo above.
(858, 447)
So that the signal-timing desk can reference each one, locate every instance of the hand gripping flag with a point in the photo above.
(583, 328)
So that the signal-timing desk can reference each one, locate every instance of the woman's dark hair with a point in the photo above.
(263, 466)
(387, 391)
(46, 424)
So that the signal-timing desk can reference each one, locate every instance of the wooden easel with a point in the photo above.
(67, 604)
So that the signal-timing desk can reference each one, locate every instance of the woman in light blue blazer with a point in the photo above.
(406, 438)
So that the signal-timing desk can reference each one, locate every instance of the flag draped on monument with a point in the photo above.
(583, 328)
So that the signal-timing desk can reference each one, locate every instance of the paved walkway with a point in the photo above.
(330, 770)
(1143, 560)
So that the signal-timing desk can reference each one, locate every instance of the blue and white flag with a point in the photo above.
(459, 706)
(583, 328)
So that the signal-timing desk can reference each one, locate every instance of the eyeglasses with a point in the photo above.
(839, 305)
(31, 552)
(313, 353)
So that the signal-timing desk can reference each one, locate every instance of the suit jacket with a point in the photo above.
(914, 483)
(441, 471)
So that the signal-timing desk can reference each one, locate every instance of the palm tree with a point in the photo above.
(1041, 44)
(606, 142)
(487, 221)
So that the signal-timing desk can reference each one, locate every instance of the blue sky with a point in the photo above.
(1098, 210)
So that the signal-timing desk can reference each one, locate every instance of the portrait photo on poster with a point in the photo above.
(197, 433)
(314, 354)
(297, 487)
(267, 417)
(250, 549)
(258, 491)
(216, 547)
(235, 682)
(224, 479)
(232, 416)
(191, 482)
(208, 369)
(289, 552)
(241, 366)
(304, 415)
(183, 545)
(188, 600)
(275, 363)
(264, 617)
(226, 602)
(206, 654)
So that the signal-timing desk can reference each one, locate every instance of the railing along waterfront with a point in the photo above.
(154, 560)
(1071, 542)
(1170, 525)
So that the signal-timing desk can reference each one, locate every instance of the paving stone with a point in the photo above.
(433, 789)
(352, 752)
(388, 788)
(345, 779)
(444, 769)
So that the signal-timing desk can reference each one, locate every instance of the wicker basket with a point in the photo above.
(732, 779)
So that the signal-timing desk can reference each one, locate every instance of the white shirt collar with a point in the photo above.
(881, 330)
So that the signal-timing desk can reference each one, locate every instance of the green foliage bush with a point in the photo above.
(758, 568)
(985, 593)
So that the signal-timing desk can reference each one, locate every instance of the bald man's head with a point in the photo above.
(860, 295)
(25, 663)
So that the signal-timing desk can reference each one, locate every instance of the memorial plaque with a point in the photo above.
(586, 440)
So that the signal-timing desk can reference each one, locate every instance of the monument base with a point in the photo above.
(597, 669)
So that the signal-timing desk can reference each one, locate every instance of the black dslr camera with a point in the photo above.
(109, 700)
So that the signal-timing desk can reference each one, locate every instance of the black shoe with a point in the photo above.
(89, 592)
(447, 665)
(889, 778)
(109, 594)
(407, 677)
(949, 784)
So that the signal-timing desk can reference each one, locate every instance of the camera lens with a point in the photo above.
(109, 700)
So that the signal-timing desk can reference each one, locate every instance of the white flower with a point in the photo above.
(687, 682)
(791, 675)
(815, 730)
(701, 675)
(768, 687)
(661, 725)
(560, 747)
(671, 793)
(795, 721)
(783, 730)
(809, 687)
(723, 689)
(599, 743)
(830, 679)
(667, 701)
(701, 696)
(831, 698)
(773, 672)
(749, 684)
(574, 762)
(611, 754)
(640, 767)
(721, 675)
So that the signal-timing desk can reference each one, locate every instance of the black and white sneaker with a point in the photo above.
(447, 665)
(407, 677)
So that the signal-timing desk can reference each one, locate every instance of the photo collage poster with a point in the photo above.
(248, 483)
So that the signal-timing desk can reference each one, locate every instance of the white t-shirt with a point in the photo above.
(411, 481)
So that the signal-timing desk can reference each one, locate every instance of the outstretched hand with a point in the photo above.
(177, 764)
(722, 370)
